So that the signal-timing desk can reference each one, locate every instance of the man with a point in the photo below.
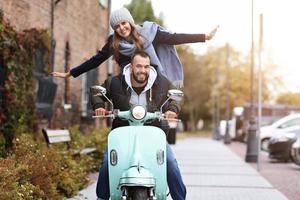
(140, 84)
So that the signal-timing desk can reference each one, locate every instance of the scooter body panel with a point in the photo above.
(141, 159)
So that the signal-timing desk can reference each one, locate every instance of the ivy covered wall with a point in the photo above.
(17, 79)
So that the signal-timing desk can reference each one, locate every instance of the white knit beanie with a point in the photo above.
(120, 15)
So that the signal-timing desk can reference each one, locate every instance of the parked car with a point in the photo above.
(295, 152)
(266, 132)
(281, 143)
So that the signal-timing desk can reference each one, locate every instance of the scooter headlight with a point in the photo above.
(138, 112)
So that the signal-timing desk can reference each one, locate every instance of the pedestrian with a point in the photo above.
(128, 37)
(140, 84)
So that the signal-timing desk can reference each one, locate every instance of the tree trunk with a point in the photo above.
(192, 120)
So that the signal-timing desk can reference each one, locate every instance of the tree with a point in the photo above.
(197, 86)
(142, 10)
(200, 80)
(239, 77)
(289, 98)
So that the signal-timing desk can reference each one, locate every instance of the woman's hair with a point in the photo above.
(135, 36)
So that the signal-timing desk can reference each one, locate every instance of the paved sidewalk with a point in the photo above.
(211, 171)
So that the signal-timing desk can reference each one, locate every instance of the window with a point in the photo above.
(45, 96)
(292, 122)
(38, 61)
(84, 95)
(45, 87)
(88, 79)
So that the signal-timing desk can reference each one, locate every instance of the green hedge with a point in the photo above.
(35, 171)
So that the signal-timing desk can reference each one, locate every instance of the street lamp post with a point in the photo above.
(227, 138)
(252, 149)
(216, 108)
(260, 87)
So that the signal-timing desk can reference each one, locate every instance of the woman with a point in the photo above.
(151, 37)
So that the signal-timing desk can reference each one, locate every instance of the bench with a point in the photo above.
(58, 136)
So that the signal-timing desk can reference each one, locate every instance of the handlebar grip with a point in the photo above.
(108, 115)
(163, 117)
(173, 120)
(107, 112)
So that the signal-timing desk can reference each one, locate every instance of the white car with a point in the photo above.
(283, 124)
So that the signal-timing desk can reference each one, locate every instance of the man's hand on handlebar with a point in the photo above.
(170, 115)
(100, 112)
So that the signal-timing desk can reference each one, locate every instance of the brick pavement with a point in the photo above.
(283, 176)
(212, 171)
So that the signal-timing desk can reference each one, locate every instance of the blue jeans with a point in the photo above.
(175, 182)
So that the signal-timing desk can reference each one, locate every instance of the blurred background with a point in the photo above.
(242, 82)
(255, 39)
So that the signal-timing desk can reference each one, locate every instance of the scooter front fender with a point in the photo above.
(137, 176)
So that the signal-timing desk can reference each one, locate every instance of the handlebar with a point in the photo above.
(103, 116)
(124, 114)
(172, 120)
(163, 117)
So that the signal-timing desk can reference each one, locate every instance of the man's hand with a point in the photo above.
(211, 34)
(170, 115)
(100, 112)
(61, 74)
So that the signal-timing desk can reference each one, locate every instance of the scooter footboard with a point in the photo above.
(137, 157)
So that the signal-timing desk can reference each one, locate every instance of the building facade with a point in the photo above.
(80, 28)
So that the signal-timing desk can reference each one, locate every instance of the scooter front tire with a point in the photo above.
(139, 193)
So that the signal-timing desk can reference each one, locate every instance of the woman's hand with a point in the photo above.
(61, 74)
(211, 34)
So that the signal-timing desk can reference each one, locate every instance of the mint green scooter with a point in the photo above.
(137, 154)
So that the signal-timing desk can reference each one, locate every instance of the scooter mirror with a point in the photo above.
(98, 90)
(176, 95)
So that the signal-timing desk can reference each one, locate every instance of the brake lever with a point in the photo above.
(163, 117)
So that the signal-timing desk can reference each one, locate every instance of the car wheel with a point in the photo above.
(265, 144)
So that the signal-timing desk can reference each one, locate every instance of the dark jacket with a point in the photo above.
(119, 92)
(161, 37)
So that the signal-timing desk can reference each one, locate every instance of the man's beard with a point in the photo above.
(135, 77)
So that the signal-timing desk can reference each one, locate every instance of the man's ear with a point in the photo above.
(130, 68)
